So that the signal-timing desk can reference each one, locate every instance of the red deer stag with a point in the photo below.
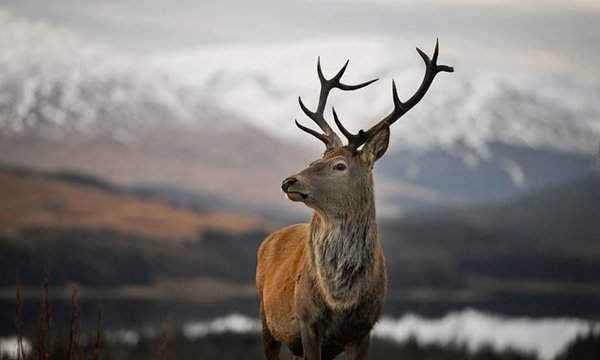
(321, 285)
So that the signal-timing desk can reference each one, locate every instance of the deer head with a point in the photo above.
(341, 180)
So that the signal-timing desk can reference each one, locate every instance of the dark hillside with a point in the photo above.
(82, 229)
(542, 249)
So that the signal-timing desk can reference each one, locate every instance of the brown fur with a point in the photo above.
(322, 284)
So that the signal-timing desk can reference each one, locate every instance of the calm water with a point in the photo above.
(544, 336)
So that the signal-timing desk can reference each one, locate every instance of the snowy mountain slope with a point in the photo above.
(67, 103)
(218, 119)
(481, 134)
(53, 78)
(54, 83)
(474, 106)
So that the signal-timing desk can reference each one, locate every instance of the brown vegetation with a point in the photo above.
(202, 161)
(30, 202)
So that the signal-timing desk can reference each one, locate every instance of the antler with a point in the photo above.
(330, 138)
(400, 108)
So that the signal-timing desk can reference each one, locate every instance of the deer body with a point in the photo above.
(330, 276)
(322, 285)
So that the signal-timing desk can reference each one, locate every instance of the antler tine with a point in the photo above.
(316, 134)
(351, 137)
(401, 108)
(345, 132)
(330, 138)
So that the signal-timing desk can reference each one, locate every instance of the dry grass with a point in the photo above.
(76, 349)
(35, 202)
(163, 352)
(97, 339)
(42, 338)
(19, 323)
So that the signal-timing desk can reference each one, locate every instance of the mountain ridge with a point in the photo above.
(204, 120)
(55, 81)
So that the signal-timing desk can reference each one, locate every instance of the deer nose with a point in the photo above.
(288, 182)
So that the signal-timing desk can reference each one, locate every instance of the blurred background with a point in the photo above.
(142, 147)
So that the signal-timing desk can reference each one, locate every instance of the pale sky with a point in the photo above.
(566, 33)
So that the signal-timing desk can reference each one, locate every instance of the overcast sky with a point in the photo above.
(559, 31)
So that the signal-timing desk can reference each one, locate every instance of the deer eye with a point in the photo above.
(340, 166)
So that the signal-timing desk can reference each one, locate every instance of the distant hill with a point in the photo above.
(545, 230)
(537, 253)
(459, 178)
(71, 201)
(563, 217)
(83, 229)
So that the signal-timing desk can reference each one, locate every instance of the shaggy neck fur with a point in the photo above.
(343, 251)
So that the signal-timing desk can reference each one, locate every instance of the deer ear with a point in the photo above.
(377, 145)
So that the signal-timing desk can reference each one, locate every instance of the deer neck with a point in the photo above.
(343, 250)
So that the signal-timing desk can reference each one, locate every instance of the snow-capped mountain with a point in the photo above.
(480, 134)
(66, 103)
(53, 83)
(218, 118)
(51, 77)
(474, 106)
